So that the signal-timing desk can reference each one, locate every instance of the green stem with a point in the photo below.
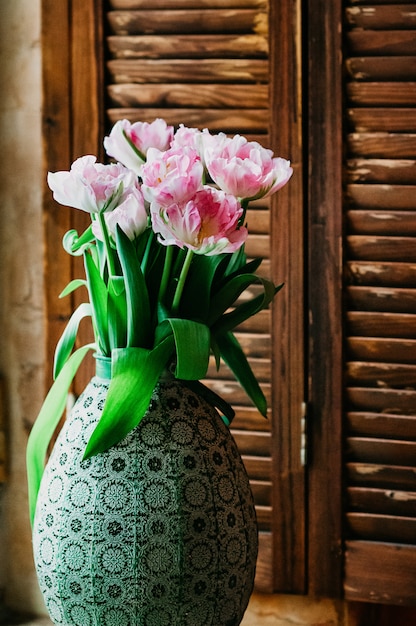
(181, 282)
(107, 244)
(166, 272)
(244, 204)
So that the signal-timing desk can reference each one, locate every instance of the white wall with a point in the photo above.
(21, 281)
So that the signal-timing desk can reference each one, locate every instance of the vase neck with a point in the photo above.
(102, 366)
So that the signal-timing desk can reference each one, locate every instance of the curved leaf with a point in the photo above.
(46, 423)
(135, 372)
(97, 290)
(228, 294)
(192, 343)
(138, 307)
(117, 312)
(236, 360)
(67, 341)
(72, 286)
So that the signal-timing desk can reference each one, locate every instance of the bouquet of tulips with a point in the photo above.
(164, 265)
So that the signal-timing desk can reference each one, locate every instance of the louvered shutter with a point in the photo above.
(380, 300)
(231, 65)
(205, 64)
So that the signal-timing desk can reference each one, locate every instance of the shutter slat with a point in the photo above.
(382, 425)
(185, 4)
(401, 120)
(375, 222)
(394, 300)
(369, 324)
(400, 197)
(253, 443)
(382, 93)
(127, 96)
(188, 70)
(183, 46)
(382, 144)
(382, 527)
(226, 120)
(183, 21)
(381, 476)
(387, 274)
(365, 247)
(389, 400)
(385, 17)
(387, 501)
(399, 43)
(248, 418)
(382, 68)
(380, 349)
(392, 171)
(388, 451)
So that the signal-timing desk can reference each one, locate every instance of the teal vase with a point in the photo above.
(160, 530)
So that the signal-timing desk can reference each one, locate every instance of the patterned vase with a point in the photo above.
(160, 530)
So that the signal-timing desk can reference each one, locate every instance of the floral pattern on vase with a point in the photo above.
(159, 530)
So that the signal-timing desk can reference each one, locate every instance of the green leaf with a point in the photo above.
(236, 360)
(77, 245)
(245, 310)
(68, 337)
(138, 307)
(192, 343)
(229, 293)
(117, 312)
(72, 286)
(46, 423)
(135, 372)
(199, 281)
(97, 290)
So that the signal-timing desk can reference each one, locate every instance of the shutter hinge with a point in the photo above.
(303, 437)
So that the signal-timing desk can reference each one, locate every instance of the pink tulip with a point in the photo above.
(129, 143)
(130, 215)
(244, 169)
(206, 224)
(171, 177)
(91, 186)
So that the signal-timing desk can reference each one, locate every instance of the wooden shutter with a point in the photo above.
(380, 300)
(207, 63)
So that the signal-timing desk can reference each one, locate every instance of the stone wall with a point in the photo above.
(21, 281)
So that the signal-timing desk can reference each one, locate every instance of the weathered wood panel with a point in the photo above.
(389, 171)
(182, 46)
(386, 501)
(205, 96)
(382, 144)
(389, 299)
(401, 120)
(381, 476)
(387, 425)
(380, 349)
(387, 274)
(386, 17)
(380, 572)
(373, 324)
(399, 43)
(222, 71)
(386, 68)
(375, 222)
(184, 21)
(186, 4)
(376, 450)
(375, 527)
(381, 248)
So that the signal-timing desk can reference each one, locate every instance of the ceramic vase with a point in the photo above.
(160, 530)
